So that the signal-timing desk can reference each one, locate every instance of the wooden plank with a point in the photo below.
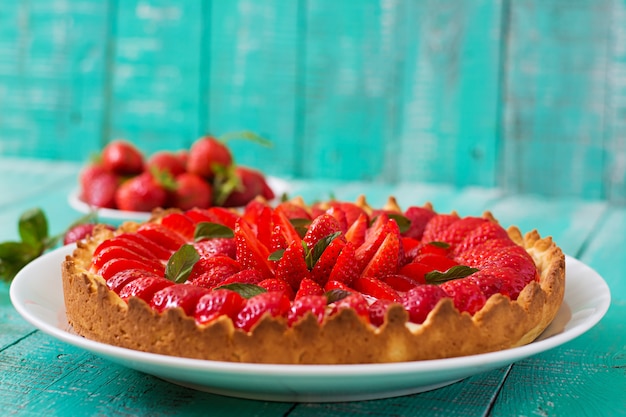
(52, 56)
(554, 97)
(448, 100)
(253, 72)
(155, 69)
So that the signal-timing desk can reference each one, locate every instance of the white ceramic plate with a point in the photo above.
(37, 295)
(279, 186)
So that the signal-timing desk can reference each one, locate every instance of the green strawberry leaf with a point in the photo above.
(245, 290)
(438, 244)
(402, 222)
(335, 295)
(313, 255)
(164, 178)
(224, 183)
(33, 227)
(456, 272)
(181, 263)
(245, 135)
(209, 230)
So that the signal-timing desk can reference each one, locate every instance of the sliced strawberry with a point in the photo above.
(466, 295)
(131, 245)
(216, 246)
(259, 216)
(144, 287)
(274, 304)
(484, 232)
(375, 236)
(210, 272)
(436, 225)
(378, 311)
(309, 287)
(198, 215)
(456, 232)
(375, 288)
(434, 248)
(118, 280)
(135, 238)
(354, 301)
(400, 282)
(336, 285)
(356, 231)
(246, 276)
(116, 265)
(385, 260)
(419, 217)
(351, 210)
(346, 268)
(283, 232)
(218, 303)
(181, 224)
(121, 252)
(411, 247)
(416, 271)
(276, 284)
(251, 253)
(340, 216)
(420, 301)
(476, 255)
(325, 264)
(292, 266)
(224, 216)
(322, 226)
(438, 262)
(291, 210)
(162, 236)
(183, 296)
(308, 304)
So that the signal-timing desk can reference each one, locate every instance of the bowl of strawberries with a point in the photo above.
(121, 183)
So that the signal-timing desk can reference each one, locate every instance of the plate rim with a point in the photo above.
(143, 360)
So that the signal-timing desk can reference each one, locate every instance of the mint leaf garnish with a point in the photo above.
(245, 290)
(181, 263)
(336, 295)
(276, 255)
(456, 272)
(209, 230)
(313, 255)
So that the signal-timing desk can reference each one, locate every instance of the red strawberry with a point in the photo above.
(292, 211)
(336, 285)
(476, 255)
(436, 225)
(466, 295)
(206, 155)
(378, 311)
(166, 161)
(216, 246)
(309, 287)
(116, 265)
(356, 232)
(438, 262)
(223, 216)
(121, 240)
(292, 266)
(276, 284)
(375, 288)
(456, 232)
(191, 191)
(419, 217)
(308, 304)
(123, 252)
(351, 211)
(327, 262)
(132, 240)
(210, 272)
(98, 186)
(181, 224)
(420, 301)
(400, 283)
(274, 304)
(386, 259)
(144, 287)
(162, 236)
(283, 233)
(251, 184)
(80, 232)
(251, 253)
(321, 227)
(503, 280)
(118, 280)
(183, 296)
(354, 301)
(346, 268)
(217, 303)
(514, 257)
(122, 157)
(433, 249)
(259, 216)
(245, 276)
(140, 193)
(340, 216)
(484, 232)
(375, 236)
(416, 271)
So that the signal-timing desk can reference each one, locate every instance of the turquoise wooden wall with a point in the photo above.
(525, 95)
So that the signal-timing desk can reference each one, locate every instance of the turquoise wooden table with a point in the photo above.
(40, 375)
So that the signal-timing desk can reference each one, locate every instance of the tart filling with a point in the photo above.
(333, 283)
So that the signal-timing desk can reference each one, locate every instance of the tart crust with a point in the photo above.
(98, 313)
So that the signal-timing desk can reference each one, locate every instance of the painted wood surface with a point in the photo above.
(585, 377)
(526, 96)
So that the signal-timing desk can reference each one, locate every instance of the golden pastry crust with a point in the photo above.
(98, 313)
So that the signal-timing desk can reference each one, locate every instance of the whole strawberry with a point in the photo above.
(122, 157)
(251, 184)
(98, 186)
(79, 232)
(207, 155)
(141, 193)
(166, 161)
(192, 191)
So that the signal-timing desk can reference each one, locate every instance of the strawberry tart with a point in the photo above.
(332, 283)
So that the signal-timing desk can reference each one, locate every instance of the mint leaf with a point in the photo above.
(315, 254)
(438, 244)
(456, 272)
(245, 290)
(335, 295)
(209, 230)
(33, 227)
(181, 263)
(276, 255)
(403, 223)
